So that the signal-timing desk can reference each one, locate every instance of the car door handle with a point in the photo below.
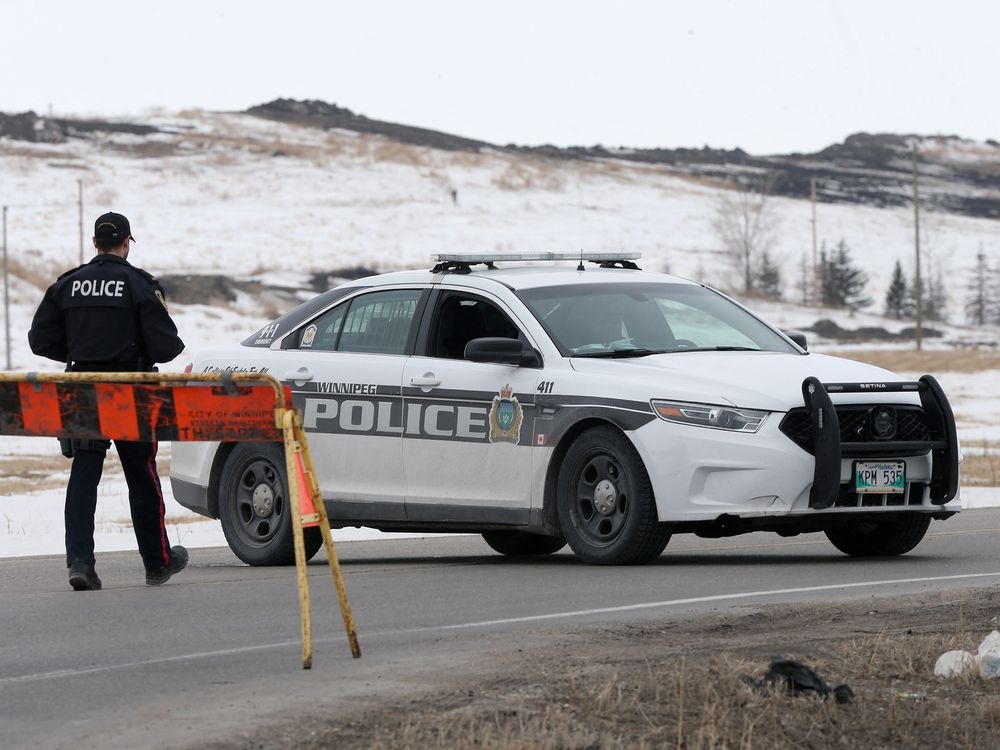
(427, 381)
(298, 375)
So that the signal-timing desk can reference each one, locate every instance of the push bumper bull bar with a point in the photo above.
(828, 448)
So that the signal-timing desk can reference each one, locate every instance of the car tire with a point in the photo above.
(255, 507)
(605, 501)
(879, 538)
(522, 543)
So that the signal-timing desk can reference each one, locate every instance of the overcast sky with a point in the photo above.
(768, 76)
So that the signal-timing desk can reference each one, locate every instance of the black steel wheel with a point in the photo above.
(255, 508)
(523, 544)
(605, 501)
(879, 538)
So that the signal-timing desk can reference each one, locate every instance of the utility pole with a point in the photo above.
(815, 275)
(917, 283)
(6, 290)
(79, 184)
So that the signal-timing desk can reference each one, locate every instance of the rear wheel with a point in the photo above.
(522, 544)
(255, 508)
(605, 501)
(879, 538)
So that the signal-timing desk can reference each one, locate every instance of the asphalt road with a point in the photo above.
(216, 651)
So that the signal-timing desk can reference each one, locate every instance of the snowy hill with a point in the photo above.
(270, 209)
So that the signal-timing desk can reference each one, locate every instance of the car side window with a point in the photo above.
(461, 318)
(373, 323)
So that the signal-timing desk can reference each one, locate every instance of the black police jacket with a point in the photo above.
(105, 315)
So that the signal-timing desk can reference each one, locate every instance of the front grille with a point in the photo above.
(855, 426)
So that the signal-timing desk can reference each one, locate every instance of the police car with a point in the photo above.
(585, 402)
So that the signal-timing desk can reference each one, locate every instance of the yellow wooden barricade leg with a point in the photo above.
(296, 454)
(331, 552)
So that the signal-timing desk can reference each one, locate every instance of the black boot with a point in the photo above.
(83, 577)
(178, 560)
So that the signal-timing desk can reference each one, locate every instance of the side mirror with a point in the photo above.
(501, 351)
(798, 337)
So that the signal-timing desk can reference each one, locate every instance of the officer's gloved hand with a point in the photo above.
(96, 446)
(70, 447)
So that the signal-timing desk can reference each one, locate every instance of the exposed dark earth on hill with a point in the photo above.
(956, 175)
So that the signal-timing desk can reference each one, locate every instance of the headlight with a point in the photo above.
(710, 415)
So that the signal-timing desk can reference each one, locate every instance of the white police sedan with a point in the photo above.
(589, 403)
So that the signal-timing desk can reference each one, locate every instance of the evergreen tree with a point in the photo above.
(842, 284)
(898, 296)
(992, 284)
(827, 293)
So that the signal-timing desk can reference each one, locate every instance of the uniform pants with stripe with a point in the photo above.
(145, 499)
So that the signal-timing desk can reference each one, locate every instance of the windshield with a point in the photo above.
(628, 320)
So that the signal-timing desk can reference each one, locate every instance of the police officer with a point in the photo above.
(109, 316)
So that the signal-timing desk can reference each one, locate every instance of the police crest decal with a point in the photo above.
(506, 417)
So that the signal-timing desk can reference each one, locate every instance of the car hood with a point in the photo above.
(756, 380)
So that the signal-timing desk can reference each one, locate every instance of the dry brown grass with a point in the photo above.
(39, 277)
(525, 174)
(24, 474)
(29, 157)
(105, 195)
(227, 147)
(927, 361)
(386, 149)
(676, 684)
(981, 464)
(145, 149)
(27, 474)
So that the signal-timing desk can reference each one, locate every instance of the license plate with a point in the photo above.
(879, 477)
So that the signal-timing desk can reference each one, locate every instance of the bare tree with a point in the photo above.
(748, 227)
(934, 292)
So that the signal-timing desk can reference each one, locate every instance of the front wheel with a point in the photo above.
(255, 507)
(879, 538)
(605, 501)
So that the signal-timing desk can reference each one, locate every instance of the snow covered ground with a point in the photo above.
(231, 194)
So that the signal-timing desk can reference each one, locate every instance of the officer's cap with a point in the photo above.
(112, 228)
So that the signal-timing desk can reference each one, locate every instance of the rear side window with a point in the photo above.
(278, 328)
(374, 323)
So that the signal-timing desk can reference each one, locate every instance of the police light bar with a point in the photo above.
(554, 255)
